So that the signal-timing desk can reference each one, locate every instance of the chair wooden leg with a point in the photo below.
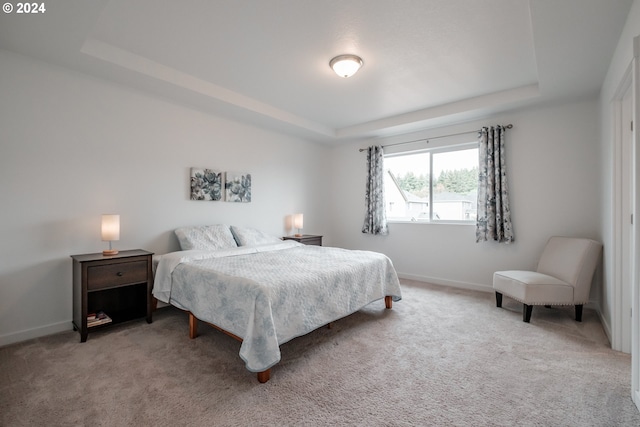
(498, 299)
(526, 313)
(579, 313)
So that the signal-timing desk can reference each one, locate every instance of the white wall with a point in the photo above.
(73, 147)
(553, 170)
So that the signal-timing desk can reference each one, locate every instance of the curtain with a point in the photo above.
(375, 221)
(494, 215)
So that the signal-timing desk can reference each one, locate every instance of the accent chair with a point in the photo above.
(563, 276)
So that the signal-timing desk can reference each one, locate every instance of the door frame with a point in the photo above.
(635, 307)
(621, 218)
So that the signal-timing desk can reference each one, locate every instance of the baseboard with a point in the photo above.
(38, 332)
(447, 282)
(603, 321)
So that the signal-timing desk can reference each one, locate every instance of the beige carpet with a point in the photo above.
(440, 357)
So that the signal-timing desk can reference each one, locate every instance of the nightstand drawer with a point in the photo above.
(307, 239)
(113, 275)
(313, 241)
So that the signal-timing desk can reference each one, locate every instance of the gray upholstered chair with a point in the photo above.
(563, 276)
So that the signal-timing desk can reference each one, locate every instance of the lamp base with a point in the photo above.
(109, 252)
(298, 235)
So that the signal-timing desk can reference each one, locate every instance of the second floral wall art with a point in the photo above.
(238, 187)
(211, 185)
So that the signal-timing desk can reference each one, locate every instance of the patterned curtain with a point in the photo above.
(375, 221)
(494, 215)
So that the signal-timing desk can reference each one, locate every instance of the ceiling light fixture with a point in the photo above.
(346, 65)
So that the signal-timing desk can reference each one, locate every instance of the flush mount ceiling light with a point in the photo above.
(346, 65)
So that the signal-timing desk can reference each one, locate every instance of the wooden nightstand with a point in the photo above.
(307, 239)
(118, 285)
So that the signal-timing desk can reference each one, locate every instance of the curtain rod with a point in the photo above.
(509, 126)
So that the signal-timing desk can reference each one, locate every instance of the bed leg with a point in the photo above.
(388, 301)
(264, 376)
(193, 326)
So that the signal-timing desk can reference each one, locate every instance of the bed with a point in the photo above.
(264, 291)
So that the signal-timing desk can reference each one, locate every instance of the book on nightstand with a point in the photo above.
(99, 318)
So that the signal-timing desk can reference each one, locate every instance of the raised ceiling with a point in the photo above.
(426, 62)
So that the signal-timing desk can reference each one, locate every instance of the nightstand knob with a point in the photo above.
(119, 274)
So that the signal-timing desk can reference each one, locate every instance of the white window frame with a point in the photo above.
(432, 151)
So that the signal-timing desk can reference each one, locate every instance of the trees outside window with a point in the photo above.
(432, 185)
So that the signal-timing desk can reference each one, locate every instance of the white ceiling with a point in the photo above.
(426, 62)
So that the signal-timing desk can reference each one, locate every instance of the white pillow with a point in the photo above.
(206, 237)
(252, 237)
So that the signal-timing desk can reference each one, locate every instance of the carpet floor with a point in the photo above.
(440, 357)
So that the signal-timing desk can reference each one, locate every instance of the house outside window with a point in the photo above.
(435, 185)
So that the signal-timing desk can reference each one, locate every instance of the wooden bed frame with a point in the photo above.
(263, 376)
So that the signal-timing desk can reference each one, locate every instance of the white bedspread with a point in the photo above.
(268, 295)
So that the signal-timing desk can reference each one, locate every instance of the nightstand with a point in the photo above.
(307, 239)
(118, 285)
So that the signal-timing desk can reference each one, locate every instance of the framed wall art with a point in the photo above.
(238, 187)
(206, 184)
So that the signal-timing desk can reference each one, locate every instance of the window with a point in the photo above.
(432, 185)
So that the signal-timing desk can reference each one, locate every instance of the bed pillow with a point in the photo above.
(252, 237)
(206, 237)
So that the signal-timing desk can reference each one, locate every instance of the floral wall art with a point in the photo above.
(211, 185)
(206, 184)
(238, 187)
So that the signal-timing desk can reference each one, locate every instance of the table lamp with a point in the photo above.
(297, 223)
(110, 232)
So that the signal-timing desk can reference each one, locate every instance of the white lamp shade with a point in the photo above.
(346, 65)
(110, 227)
(298, 221)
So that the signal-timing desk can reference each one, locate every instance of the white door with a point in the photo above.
(635, 265)
(627, 236)
(624, 239)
